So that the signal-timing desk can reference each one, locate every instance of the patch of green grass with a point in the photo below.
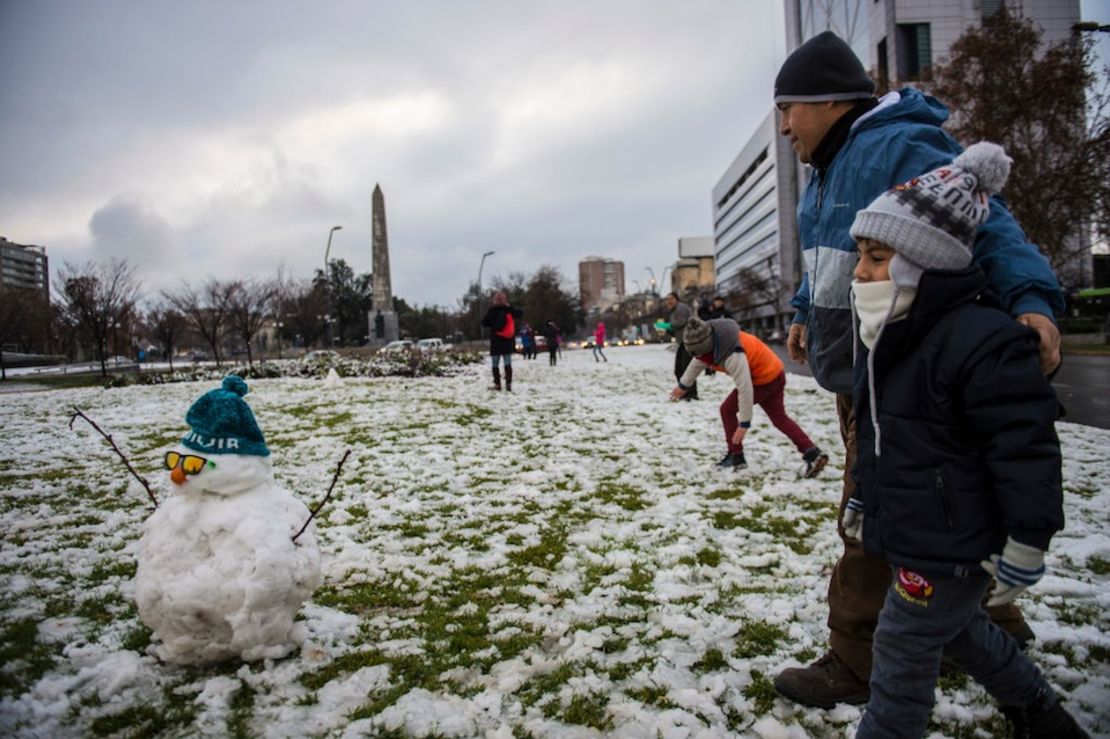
(954, 680)
(123, 568)
(26, 659)
(623, 670)
(1098, 566)
(651, 695)
(709, 557)
(761, 692)
(1062, 649)
(1081, 614)
(170, 716)
(368, 596)
(639, 587)
(102, 610)
(545, 554)
(712, 661)
(758, 638)
(628, 497)
(540, 686)
(473, 414)
(242, 706)
(588, 709)
(138, 639)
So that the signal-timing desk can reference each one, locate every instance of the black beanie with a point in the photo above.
(823, 68)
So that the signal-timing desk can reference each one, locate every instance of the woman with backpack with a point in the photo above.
(501, 319)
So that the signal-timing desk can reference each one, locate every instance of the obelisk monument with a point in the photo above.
(383, 321)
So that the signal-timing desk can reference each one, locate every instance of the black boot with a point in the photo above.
(496, 378)
(509, 379)
(1036, 722)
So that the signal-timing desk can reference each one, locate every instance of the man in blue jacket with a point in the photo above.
(858, 147)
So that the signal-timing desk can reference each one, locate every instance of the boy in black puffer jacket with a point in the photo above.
(958, 474)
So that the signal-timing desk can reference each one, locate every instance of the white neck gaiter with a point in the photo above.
(876, 303)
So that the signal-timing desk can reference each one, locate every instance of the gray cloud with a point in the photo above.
(240, 133)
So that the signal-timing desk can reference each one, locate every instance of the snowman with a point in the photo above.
(219, 575)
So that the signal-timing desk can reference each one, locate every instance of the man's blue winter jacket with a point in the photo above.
(898, 140)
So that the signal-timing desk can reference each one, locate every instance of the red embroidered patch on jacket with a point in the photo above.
(914, 584)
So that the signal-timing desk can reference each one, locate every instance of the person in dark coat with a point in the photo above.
(949, 394)
(675, 325)
(715, 308)
(551, 335)
(501, 319)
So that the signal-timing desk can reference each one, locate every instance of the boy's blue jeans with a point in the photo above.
(923, 618)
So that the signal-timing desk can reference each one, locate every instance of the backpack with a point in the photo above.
(508, 330)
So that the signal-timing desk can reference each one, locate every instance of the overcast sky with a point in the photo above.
(226, 138)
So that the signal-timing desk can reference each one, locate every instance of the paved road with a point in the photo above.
(1082, 384)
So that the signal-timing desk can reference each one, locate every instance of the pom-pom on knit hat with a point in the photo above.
(823, 68)
(930, 221)
(222, 422)
(697, 337)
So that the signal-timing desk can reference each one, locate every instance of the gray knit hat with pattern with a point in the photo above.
(698, 337)
(930, 221)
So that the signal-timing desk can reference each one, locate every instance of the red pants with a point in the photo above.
(769, 397)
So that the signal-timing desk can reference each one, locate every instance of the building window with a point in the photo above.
(915, 50)
(884, 65)
(990, 7)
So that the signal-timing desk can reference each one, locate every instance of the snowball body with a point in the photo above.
(218, 573)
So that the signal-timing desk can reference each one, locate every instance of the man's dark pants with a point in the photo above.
(859, 581)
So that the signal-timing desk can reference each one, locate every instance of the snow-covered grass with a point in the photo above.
(561, 561)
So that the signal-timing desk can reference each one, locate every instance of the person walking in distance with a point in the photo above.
(760, 379)
(551, 335)
(599, 341)
(858, 147)
(501, 319)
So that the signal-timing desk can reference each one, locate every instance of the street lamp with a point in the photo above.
(663, 279)
(280, 326)
(652, 273)
(480, 266)
(327, 283)
(1091, 26)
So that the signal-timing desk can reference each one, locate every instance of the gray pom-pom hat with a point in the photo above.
(930, 221)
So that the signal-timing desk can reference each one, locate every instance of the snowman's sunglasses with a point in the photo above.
(190, 463)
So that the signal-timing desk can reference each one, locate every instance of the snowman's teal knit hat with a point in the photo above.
(222, 422)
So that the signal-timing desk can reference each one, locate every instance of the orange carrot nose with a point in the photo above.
(177, 475)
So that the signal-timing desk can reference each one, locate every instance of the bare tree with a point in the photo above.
(1050, 110)
(97, 298)
(205, 310)
(167, 324)
(250, 304)
(301, 305)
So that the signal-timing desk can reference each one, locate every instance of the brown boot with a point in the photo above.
(823, 684)
(496, 378)
(509, 378)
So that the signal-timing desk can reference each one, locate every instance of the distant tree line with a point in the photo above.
(98, 311)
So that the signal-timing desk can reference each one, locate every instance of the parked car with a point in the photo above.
(400, 345)
(430, 345)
